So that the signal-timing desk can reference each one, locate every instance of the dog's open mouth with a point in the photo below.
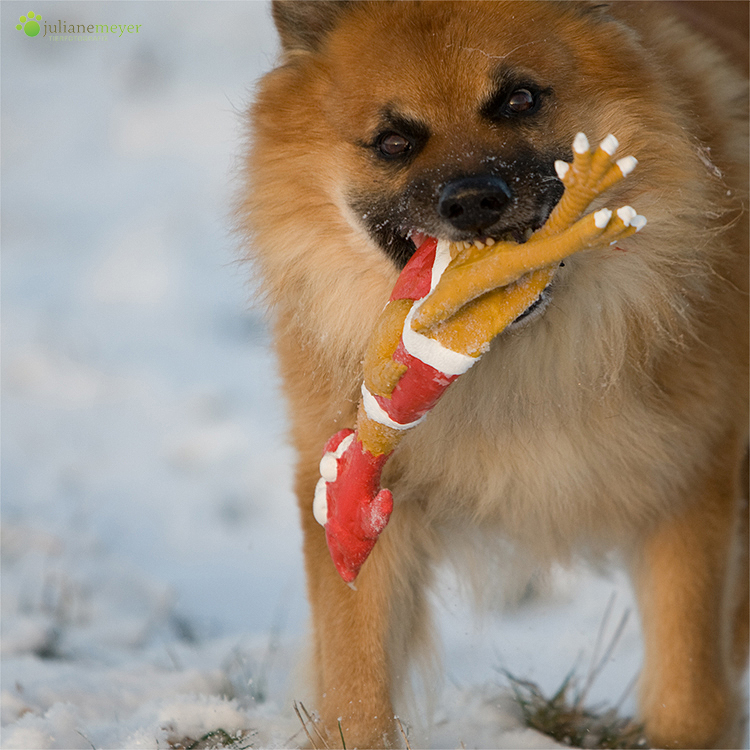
(517, 235)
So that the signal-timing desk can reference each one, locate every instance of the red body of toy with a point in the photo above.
(354, 507)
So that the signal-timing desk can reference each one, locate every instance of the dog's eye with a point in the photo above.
(521, 101)
(393, 145)
(515, 102)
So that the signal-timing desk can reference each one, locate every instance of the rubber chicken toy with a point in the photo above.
(449, 302)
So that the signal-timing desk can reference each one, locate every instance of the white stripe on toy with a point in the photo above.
(378, 414)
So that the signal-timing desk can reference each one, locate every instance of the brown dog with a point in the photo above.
(612, 415)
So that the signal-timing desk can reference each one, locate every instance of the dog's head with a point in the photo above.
(445, 119)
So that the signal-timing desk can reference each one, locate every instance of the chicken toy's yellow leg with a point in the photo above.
(477, 271)
(476, 323)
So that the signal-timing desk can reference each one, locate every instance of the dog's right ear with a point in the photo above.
(302, 24)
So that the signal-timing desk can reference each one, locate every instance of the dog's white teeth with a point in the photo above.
(581, 143)
(609, 144)
(489, 242)
(479, 245)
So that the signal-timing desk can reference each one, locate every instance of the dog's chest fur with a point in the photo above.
(546, 453)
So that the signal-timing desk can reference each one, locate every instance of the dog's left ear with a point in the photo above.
(302, 24)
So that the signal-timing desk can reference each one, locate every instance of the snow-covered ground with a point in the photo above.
(151, 573)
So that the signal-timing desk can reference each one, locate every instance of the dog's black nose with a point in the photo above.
(474, 202)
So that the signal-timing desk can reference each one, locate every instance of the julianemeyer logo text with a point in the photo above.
(92, 28)
(30, 24)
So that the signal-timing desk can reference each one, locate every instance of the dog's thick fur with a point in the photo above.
(616, 420)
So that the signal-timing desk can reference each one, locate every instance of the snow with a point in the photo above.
(151, 568)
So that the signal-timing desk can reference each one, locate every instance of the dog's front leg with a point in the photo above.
(360, 633)
(687, 593)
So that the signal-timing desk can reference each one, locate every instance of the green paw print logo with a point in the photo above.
(29, 23)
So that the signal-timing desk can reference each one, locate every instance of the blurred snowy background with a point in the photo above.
(152, 584)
